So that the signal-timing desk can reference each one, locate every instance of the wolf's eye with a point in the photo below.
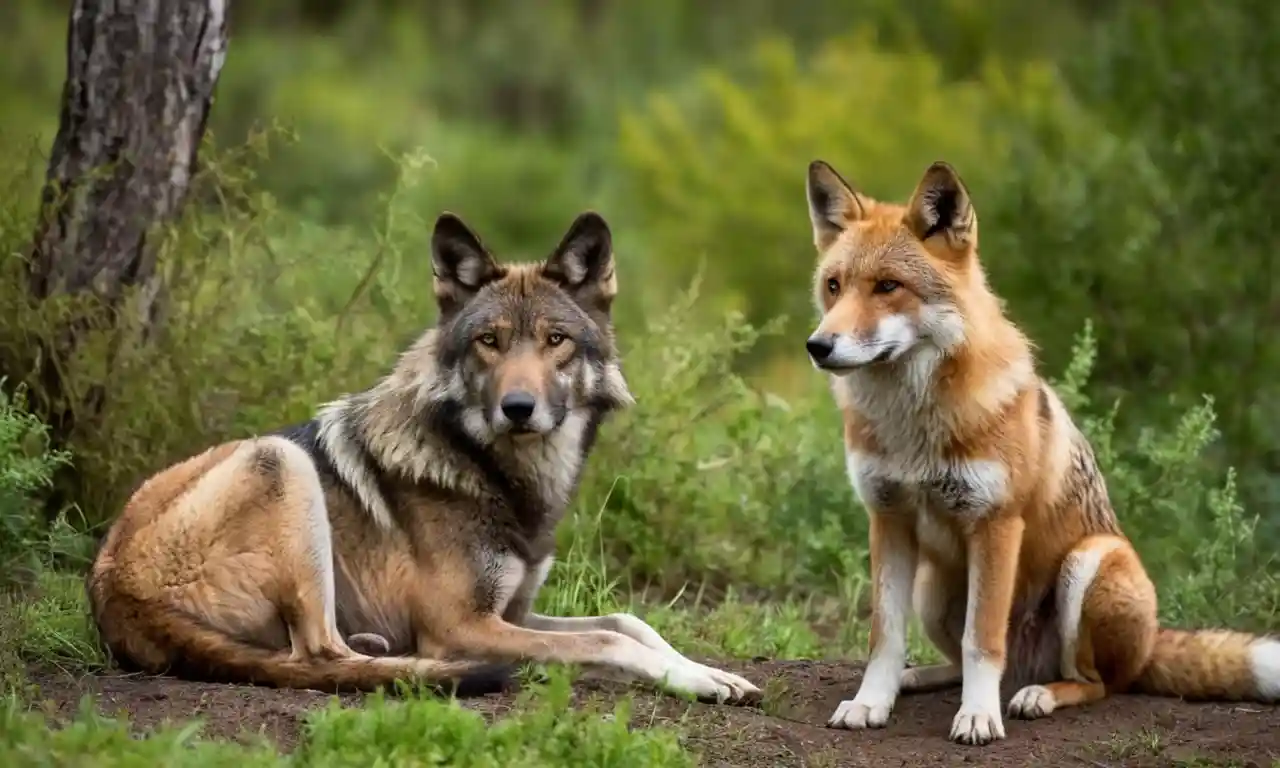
(556, 339)
(833, 286)
(488, 339)
(887, 286)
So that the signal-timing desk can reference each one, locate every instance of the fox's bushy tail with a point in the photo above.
(1213, 664)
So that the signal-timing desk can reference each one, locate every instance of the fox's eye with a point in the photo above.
(887, 286)
(488, 339)
(833, 286)
(556, 339)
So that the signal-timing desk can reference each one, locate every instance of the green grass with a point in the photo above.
(542, 730)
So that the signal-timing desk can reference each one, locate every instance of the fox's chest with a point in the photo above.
(961, 489)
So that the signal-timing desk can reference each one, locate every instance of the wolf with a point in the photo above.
(988, 513)
(404, 532)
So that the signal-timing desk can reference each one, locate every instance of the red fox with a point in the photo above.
(987, 509)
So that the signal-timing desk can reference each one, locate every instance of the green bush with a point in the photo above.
(27, 464)
(709, 479)
(1185, 520)
(1158, 225)
(715, 170)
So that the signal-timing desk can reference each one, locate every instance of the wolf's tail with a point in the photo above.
(1212, 664)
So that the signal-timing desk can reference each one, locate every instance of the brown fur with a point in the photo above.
(980, 489)
(416, 518)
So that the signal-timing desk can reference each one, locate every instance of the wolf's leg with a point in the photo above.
(893, 570)
(993, 547)
(1107, 620)
(308, 600)
(939, 603)
(630, 626)
(491, 638)
(622, 623)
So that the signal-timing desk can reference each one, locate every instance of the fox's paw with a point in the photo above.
(854, 714)
(977, 726)
(1032, 702)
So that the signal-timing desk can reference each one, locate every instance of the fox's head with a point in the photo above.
(889, 277)
(522, 346)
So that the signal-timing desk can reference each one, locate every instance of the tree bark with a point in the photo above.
(140, 82)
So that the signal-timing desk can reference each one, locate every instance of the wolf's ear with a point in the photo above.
(583, 263)
(460, 263)
(833, 204)
(941, 206)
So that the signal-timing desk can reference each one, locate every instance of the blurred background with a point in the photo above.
(1124, 159)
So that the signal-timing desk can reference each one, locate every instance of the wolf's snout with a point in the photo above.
(518, 406)
(820, 347)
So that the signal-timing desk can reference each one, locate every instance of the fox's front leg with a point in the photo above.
(993, 546)
(893, 569)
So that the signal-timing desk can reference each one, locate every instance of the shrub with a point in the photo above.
(709, 479)
(1158, 223)
(716, 170)
(1184, 518)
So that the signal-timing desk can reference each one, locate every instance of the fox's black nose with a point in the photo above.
(820, 347)
(518, 406)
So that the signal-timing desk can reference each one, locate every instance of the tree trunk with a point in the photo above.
(140, 81)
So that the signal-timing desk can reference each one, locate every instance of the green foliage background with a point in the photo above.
(1121, 157)
(1123, 172)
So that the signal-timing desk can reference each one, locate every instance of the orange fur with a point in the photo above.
(985, 499)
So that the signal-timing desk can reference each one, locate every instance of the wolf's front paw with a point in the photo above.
(742, 690)
(690, 679)
(858, 713)
(977, 725)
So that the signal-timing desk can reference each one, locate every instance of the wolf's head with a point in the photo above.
(891, 279)
(523, 346)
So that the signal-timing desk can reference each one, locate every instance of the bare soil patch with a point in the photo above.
(787, 730)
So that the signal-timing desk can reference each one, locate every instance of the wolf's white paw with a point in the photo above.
(977, 726)
(1032, 702)
(696, 680)
(741, 688)
(853, 714)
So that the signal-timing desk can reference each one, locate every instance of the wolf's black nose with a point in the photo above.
(820, 347)
(518, 406)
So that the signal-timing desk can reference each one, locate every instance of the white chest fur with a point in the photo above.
(966, 489)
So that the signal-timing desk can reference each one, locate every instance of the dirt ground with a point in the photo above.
(787, 731)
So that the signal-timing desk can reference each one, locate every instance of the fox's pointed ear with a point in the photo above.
(583, 263)
(460, 263)
(941, 206)
(833, 204)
